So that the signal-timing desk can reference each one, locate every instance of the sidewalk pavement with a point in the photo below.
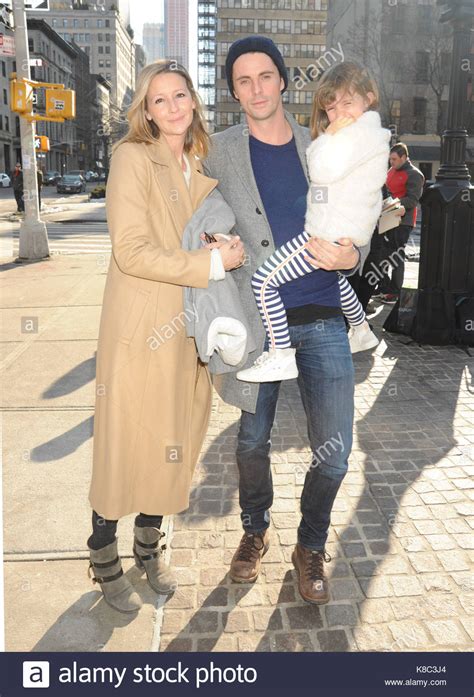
(401, 537)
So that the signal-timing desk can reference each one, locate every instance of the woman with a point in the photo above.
(153, 397)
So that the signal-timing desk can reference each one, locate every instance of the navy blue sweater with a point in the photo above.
(283, 188)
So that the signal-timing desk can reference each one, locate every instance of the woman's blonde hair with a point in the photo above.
(347, 76)
(141, 130)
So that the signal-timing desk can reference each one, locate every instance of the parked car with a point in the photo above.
(102, 177)
(70, 184)
(91, 176)
(52, 177)
(77, 173)
(4, 180)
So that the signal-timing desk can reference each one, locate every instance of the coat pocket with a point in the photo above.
(135, 314)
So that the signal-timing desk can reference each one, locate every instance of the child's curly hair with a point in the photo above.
(348, 76)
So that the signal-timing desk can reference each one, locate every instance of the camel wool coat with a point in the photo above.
(153, 396)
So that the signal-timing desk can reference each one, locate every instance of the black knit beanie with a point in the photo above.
(254, 44)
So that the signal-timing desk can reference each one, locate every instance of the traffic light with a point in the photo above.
(21, 97)
(42, 143)
(60, 103)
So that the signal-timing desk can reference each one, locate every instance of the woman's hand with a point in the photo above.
(331, 257)
(339, 123)
(232, 251)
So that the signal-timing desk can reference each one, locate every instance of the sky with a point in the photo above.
(142, 11)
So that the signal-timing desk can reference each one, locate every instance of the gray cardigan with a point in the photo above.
(214, 315)
(229, 162)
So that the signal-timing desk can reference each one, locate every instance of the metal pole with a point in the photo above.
(33, 233)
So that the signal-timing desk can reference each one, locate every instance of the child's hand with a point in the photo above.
(339, 123)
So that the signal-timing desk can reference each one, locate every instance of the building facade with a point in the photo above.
(409, 53)
(206, 48)
(102, 30)
(177, 31)
(9, 124)
(140, 60)
(298, 27)
(101, 127)
(154, 41)
(57, 60)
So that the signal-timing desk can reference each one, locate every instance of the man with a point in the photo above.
(17, 184)
(262, 173)
(39, 179)
(404, 181)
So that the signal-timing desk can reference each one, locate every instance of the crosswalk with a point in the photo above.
(63, 238)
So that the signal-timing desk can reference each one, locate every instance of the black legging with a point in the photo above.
(103, 530)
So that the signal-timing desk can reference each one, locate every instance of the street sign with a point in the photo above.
(35, 62)
(7, 45)
(42, 5)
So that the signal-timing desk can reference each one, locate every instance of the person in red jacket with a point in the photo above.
(404, 181)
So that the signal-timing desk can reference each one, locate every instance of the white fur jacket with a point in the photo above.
(347, 171)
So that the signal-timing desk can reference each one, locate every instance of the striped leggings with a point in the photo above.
(286, 264)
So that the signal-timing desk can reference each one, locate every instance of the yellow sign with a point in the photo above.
(42, 143)
(60, 103)
(21, 97)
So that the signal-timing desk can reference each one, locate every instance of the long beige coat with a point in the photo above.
(153, 397)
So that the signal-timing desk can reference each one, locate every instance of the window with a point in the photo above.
(99, 23)
(64, 22)
(54, 22)
(421, 69)
(424, 21)
(107, 63)
(398, 18)
(101, 63)
(86, 24)
(107, 37)
(4, 69)
(101, 49)
(75, 23)
(5, 96)
(100, 37)
(419, 115)
(1, 122)
(7, 123)
(107, 22)
(107, 49)
(31, 45)
(395, 113)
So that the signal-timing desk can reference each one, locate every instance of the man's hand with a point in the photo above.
(330, 257)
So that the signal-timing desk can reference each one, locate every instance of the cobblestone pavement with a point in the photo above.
(401, 538)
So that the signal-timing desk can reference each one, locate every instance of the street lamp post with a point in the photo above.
(447, 227)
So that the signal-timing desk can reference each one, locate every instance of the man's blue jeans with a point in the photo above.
(326, 383)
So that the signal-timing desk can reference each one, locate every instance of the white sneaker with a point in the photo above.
(362, 338)
(271, 366)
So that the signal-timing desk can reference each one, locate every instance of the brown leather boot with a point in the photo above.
(312, 582)
(245, 564)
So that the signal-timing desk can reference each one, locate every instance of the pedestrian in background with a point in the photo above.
(404, 181)
(17, 183)
(39, 179)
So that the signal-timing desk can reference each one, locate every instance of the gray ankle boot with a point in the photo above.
(149, 557)
(107, 568)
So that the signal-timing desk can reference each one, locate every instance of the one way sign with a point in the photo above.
(37, 5)
(42, 5)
